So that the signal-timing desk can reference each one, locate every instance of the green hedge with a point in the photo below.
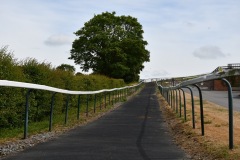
(12, 100)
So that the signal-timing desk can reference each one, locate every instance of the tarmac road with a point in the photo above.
(219, 97)
(136, 130)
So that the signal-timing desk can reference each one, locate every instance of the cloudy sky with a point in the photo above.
(186, 37)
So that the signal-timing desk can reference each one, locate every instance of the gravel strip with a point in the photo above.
(13, 147)
(19, 145)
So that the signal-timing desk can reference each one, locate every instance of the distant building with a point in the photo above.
(219, 85)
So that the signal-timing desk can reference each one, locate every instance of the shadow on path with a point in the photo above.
(139, 140)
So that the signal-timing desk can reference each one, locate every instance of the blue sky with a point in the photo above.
(185, 37)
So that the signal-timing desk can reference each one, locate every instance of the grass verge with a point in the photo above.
(214, 144)
(59, 125)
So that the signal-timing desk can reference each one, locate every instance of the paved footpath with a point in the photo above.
(133, 131)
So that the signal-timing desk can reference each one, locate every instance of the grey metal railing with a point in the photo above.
(216, 75)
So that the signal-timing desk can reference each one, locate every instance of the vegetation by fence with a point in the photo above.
(13, 98)
(114, 95)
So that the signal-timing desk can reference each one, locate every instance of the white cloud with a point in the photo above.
(173, 29)
(58, 39)
(209, 52)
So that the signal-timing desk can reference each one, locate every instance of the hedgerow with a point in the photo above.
(12, 100)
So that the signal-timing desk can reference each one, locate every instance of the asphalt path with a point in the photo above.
(136, 130)
(219, 97)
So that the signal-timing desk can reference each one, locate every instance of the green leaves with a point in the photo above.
(12, 100)
(67, 68)
(111, 45)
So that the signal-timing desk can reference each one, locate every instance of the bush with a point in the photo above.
(12, 100)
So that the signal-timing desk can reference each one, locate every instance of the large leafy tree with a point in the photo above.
(111, 45)
(66, 67)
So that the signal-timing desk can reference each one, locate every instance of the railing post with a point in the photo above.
(160, 89)
(100, 100)
(78, 106)
(125, 93)
(164, 94)
(168, 96)
(112, 97)
(180, 103)
(184, 104)
(51, 112)
(26, 114)
(173, 100)
(109, 98)
(105, 100)
(87, 105)
(66, 110)
(230, 110)
(193, 113)
(116, 100)
(122, 91)
(95, 99)
(201, 108)
(176, 101)
(119, 95)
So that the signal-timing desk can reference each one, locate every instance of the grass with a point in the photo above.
(9, 134)
(215, 143)
(220, 152)
(208, 122)
(12, 134)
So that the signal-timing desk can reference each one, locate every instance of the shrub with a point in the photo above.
(12, 100)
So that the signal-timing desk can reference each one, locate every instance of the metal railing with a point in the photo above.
(229, 66)
(117, 95)
(168, 94)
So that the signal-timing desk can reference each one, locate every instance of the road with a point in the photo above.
(136, 130)
(219, 97)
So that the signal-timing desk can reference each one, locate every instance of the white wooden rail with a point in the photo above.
(8, 83)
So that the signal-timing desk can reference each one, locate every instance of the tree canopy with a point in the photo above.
(111, 45)
(66, 67)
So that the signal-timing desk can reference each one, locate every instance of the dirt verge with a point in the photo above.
(214, 144)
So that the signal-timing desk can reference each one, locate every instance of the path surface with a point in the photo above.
(219, 97)
(134, 131)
